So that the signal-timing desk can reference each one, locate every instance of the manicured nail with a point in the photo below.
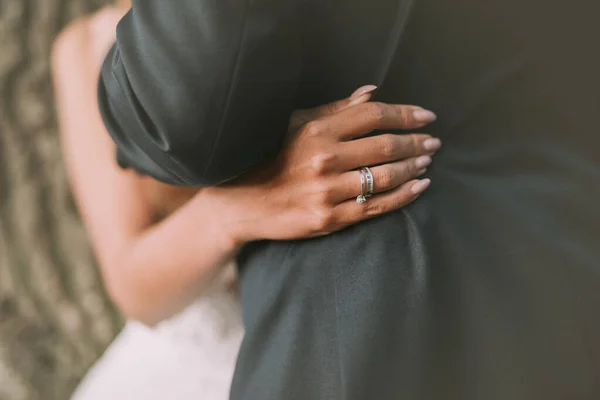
(421, 171)
(424, 116)
(432, 144)
(362, 91)
(422, 162)
(420, 186)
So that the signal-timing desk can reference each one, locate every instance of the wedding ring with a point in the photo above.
(364, 188)
(370, 181)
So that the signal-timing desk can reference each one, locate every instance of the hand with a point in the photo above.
(311, 189)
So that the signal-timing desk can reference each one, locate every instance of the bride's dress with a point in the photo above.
(190, 357)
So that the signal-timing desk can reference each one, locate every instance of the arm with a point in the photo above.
(151, 271)
(196, 92)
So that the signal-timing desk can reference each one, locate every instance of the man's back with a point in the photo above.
(486, 288)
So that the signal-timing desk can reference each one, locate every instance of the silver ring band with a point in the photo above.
(370, 181)
(364, 187)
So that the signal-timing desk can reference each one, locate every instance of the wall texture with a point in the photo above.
(55, 319)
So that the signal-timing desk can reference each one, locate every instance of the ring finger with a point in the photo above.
(349, 212)
(385, 177)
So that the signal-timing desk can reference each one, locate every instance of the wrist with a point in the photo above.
(228, 219)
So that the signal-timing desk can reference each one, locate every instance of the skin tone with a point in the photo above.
(153, 269)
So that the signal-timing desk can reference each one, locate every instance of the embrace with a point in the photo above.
(344, 200)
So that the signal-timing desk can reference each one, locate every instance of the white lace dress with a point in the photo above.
(190, 357)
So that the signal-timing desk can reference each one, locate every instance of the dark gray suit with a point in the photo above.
(488, 286)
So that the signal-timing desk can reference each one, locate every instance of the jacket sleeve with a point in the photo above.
(196, 92)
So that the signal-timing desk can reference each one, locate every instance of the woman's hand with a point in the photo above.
(311, 189)
(152, 271)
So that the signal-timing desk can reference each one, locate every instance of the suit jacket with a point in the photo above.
(204, 115)
(487, 287)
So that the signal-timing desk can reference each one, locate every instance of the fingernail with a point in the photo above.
(420, 186)
(421, 171)
(424, 116)
(362, 91)
(432, 144)
(422, 162)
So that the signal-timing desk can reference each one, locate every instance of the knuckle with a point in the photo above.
(322, 219)
(409, 144)
(415, 142)
(385, 177)
(375, 112)
(374, 209)
(404, 117)
(408, 169)
(321, 194)
(321, 162)
(388, 145)
(313, 128)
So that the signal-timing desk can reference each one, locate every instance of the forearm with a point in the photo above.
(151, 271)
(164, 268)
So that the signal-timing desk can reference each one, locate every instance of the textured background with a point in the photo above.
(55, 319)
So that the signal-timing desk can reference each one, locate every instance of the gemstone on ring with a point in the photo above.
(361, 199)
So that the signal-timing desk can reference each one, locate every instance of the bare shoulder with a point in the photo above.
(86, 39)
(74, 39)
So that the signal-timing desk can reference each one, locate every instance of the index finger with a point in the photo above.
(365, 118)
(360, 95)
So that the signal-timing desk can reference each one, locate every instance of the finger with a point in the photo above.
(385, 178)
(385, 148)
(349, 212)
(357, 121)
(361, 95)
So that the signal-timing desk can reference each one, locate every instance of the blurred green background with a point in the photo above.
(55, 319)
